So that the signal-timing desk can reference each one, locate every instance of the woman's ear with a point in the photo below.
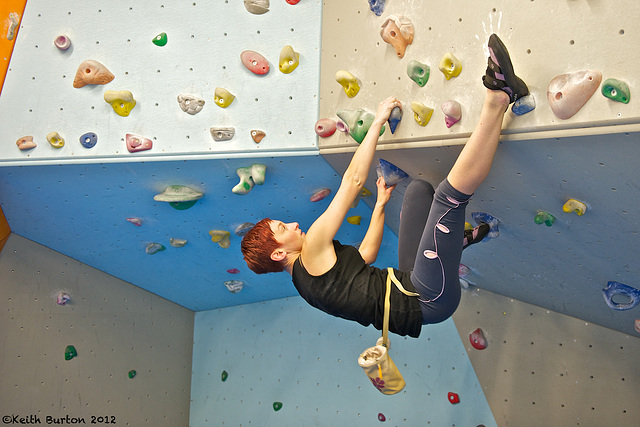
(278, 254)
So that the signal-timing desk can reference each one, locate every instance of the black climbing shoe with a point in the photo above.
(476, 235)
(499, 74)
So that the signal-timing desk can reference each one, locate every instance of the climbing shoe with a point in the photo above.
(476, 235)
(499, 74)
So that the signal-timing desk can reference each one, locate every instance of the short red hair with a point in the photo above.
(258, 245)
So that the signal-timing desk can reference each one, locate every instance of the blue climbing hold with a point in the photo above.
(482, 217)
(524, 105)
(391, 173)
(377, 6)
(89, 139)
(243, 228)
(617, 288)
(394, 118)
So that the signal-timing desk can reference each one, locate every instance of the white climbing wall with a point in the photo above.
(205, 39)
(545, 38)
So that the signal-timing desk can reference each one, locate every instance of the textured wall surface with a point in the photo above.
(114, 327)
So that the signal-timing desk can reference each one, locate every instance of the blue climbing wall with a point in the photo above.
(286, 351)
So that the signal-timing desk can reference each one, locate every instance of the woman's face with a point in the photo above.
(288, 235)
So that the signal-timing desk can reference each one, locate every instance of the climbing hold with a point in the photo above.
(135, 221)
(254, 62)
(616, 288)
(177, 243)
(293, 1)
(482, 217)
(63, 298)
(179, 197)
(478, 341)
(62, 42)
(397, 30)
(363, 193)
(244, 228)
(257, 7)
(450, 66)
(234, 286)
(277, 406)
(524, 105)
(320, 194)
(616, 90)
(355, 220)
(452, 112)
(390, 172)
(89, 140)
(70, 352)
(463, 270)
(394, 118)
(92, 72)
(254, 174)
(220, 133)
(221, 237)
(289, 59)
(421, 113)
(381, 417)
(453, 397)
(349, 83)
(55, 139)
(138, 143)
(132, 373)
(358, 122)
(25, 143)
(190, 104)
(233, 271)
(122, 101)
(636, 325)
(14, 20)
(544, 217)
(257, 135)
(568, 93)
(325, 127)
(224, 376)
(223, 98)
(418, 72)
(377, 6)
(154, 248)
(342, 126)
(573, 205)
(160, 39)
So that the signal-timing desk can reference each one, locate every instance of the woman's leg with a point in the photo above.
(413, 217)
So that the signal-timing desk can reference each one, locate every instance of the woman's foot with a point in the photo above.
(500, 74)
(476, 235)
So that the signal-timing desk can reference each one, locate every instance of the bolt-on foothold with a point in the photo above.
(63, 298)
(223, 98)
(89, 140)
(320, 195)
(636, 324)
(92, 72)
(257, 7)
(222, 133)
(616, 288)
(450, 66)
(421, 113)
(477, 339)
(190, 104)
(14, 20)
(70, 352)
(616, 90)
(26, 143)
(390, 172)
(160, 40)
(355, 219)
(137, 143)
(224, 376)
(55, 140)
(568, 93)
(221, 237)
(62, 42)
(244, 228)
(254, 62)
(524, 105)
(121, 101)
(325, 127)
(394, 118)
(277, 406)
(418, 72)
(377, 6)
(135, 221)
(452, 112)
(254, 174)
(131, 374)
(257, 135)
(289, 60)
(398, 31)
(573, 205)
(544, 217)
(453, 397)
(177, 243)
(154, 248)
(234, 286)
(349, 83)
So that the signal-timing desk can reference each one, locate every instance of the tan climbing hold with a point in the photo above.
(92, 72)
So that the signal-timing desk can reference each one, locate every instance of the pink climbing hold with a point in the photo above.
(320, 194)
(135, 221)
(453, 398)
(477, 339)
(381, 417)
(254, 62)
(233, 271)
(637, 325)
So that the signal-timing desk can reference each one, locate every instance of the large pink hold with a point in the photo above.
(320, 194)
(478, 340)
(452, 112)
(254, 62)
(325, 127)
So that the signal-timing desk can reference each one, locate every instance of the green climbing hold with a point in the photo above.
(224, 376)
(277, 406)
(160, 39)
(132, 373)
(70, 352)
(545, 218)
(182, 206)
(616, 90)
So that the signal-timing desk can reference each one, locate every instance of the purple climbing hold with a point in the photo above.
(233, 271)
(63, 298)
(391, 173)
(478, 341)
(89, 140)
(320, 194)
(377, 6)
(394, 118)
(381, 417)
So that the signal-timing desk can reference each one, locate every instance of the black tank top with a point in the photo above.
(354, 290)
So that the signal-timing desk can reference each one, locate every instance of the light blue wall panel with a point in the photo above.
(289, 352)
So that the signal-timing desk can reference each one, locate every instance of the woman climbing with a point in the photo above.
(339, 279)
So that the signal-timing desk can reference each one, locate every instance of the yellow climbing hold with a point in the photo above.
(221, 237)
(421, 113)
(223, 97)
(355, 220)
(55, 140)
(450, 66)
(122, 101)
(573, 205)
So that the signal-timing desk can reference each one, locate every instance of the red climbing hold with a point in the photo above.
(233, 271)
(453, 398)
(381, 417)
(478, 341)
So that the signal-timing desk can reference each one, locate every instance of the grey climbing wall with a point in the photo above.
(114, 327)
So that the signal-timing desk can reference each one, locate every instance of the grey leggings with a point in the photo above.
(430, 242)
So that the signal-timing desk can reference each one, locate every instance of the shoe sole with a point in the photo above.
(501, 53)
